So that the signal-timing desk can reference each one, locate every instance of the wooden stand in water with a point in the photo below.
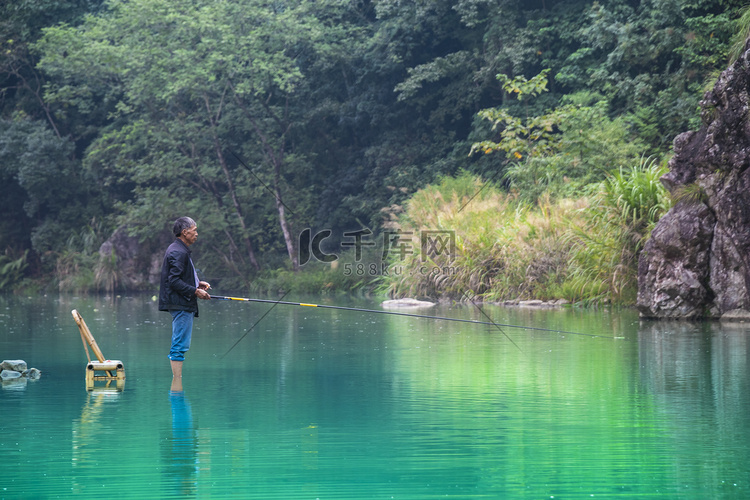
(102, 365)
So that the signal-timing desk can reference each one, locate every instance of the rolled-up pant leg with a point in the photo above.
(182, 332)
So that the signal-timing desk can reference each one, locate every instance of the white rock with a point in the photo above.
(16, 365)
(407, 304)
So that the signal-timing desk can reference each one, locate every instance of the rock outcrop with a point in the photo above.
(696, 263)
(137, 263)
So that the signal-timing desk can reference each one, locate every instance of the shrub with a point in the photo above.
(605, 249)
(504, 248)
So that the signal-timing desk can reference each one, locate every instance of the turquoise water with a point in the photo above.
(327, 404)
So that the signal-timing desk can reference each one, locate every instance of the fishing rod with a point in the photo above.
(410, 315)
(254, 325)
(275, 195)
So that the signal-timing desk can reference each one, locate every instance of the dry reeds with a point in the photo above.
(583, 250)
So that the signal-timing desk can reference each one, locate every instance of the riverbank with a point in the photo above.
(464, 239)
(470, 240)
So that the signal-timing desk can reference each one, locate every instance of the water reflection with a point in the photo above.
(697, 376)
(318, 404)
(180, 449)
(90, 442)
(15, 384)
(695, 361)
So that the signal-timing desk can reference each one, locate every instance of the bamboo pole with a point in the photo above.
(86, 335)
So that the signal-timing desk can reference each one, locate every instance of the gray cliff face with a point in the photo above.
(138, 262)
(696, 263)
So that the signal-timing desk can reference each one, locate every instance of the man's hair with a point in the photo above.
(181, 224)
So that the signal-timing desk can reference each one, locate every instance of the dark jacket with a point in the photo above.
(177, 284)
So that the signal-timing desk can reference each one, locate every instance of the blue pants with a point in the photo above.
(182, 332)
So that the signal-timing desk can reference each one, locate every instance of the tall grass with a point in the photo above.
(107, 274)
(504, 248)
(76, 263)
(742, 30)
(583, 250)
(344, 276)
(12, 267)
(605, 249)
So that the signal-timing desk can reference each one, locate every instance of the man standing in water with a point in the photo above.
(180, 290)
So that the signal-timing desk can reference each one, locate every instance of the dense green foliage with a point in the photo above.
(261, 119)
(582, 250)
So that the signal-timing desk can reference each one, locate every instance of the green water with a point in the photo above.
(328, 404)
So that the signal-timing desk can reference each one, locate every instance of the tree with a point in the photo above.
(651, 59)
(43, 191)
(45, 195)
(561, 151)
(269, 117)
(195, 87)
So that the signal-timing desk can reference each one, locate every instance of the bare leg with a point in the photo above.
(176, 369)
(176, 384)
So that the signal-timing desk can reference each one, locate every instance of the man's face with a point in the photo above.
(190, 235)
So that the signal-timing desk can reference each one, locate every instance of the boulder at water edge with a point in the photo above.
(695, 265)
(16, 369)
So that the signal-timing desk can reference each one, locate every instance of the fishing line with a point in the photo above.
(496, 325)
(410, 315)
(275, 195)
(479, 191)
(254, 324)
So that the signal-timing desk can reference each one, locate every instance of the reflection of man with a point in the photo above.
(180, 466)
(180, 289)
